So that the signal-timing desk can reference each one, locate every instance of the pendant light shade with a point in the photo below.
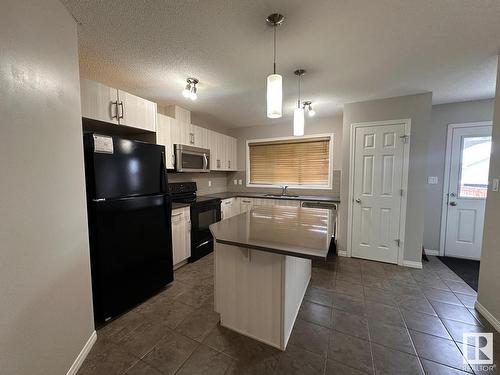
(298, 113)
(298, 122)
(274, 81)
(274, 95)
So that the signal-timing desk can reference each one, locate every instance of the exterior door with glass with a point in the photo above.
(465, 195)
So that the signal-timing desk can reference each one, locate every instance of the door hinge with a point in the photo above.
(398, 242)
(404, 138)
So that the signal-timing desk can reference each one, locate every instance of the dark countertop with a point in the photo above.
(179, 205)
(299, 232)
(314, 198)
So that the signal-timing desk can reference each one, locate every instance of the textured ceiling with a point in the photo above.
(353, 50)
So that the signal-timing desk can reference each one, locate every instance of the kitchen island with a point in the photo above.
(263, 267)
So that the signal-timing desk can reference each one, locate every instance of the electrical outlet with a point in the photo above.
(240, 182)
(209, 183)
(235, 182)
(432, 180)
(494, 184)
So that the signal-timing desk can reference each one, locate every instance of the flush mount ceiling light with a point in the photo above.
(298, 113)
(307, 105)
(190, 89)
(274, 81)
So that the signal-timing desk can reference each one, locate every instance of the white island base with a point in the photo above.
(258, 293)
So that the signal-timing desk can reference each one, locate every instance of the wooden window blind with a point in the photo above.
(292, 162)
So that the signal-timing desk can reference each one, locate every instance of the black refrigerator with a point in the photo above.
(129, 215)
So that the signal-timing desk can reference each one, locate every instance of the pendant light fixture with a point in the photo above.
(190, 89)
(298, 113)
(307, 105)
(274, 81)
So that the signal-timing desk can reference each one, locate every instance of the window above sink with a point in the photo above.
(299, 162)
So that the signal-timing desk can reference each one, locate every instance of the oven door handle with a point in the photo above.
(203, 243)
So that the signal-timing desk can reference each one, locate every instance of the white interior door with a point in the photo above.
(377, 195)
(466, 191)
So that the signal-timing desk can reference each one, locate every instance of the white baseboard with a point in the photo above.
(489, 317)
(83, 354)
(412, 264)
(342, 253)
(432, 252)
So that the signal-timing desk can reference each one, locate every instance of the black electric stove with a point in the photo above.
(204, 211)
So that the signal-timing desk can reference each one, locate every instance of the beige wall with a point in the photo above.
(45, 302)
(442, 116)
(315, 125)
(489, 274)
(418, 109)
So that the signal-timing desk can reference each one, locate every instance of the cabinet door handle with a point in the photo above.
(120, 104)
(115, 106)
(178, 214)
(229, 164)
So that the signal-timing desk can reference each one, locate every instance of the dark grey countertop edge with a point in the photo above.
(176, 206)
(312, 198)
(272, 250)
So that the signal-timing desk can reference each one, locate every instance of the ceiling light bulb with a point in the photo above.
(190, 89)
(311, 112)
(274, 95)
(186, 92)
(298, 122)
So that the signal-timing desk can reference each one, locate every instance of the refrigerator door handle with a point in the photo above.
(163, 182)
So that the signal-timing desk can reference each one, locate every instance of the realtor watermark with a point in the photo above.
(477, 349)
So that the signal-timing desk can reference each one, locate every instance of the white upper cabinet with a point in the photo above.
(136, 112)
(231, 154)
(163, 137)
(103, 103)
(222, 151)
(213, 141)
(99, 102)
(200, 136)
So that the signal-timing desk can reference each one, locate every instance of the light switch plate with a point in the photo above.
(432, 180)
(240, 182)
(494, 184)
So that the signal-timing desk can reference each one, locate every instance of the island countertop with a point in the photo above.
(299, 232)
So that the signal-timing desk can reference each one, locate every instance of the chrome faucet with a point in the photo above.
(283, 190)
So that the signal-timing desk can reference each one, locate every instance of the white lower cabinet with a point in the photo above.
(286, 202)
(226, 208)
(181, 235)
(246, 204)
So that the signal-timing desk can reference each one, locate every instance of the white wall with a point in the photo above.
(442, 116)
(418, 109)
(489, 275)
(45, 301)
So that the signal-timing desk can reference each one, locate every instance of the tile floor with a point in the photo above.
(358, 317)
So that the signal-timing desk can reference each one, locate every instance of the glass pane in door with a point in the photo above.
(474, 167)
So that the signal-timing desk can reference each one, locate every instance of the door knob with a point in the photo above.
(453, 203)
(358, 200)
